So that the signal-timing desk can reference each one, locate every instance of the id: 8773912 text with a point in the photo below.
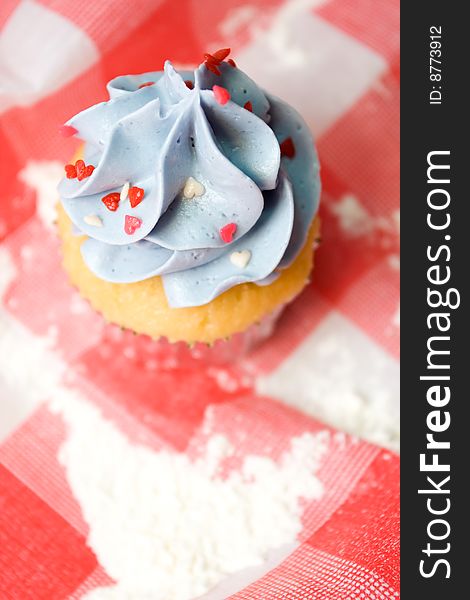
(435, 64)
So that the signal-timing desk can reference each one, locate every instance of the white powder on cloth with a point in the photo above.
(168, 527)
(43, 176)
(341, 377)
(356, 221)
(353, 217)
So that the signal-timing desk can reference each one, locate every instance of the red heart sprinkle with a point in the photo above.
(227, 232)
(146, 84)
(67, 130)
(221, 54)
(232, 63)
(221, 94)
(131, 223)
(212, 61)
(189, 84)
(111, 201)
(81, 169)
(287, 148)
(248, 106)
(211, 67)
(217, 57)
(70, 171)
(136, 195)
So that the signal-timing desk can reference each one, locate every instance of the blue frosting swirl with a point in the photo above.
(159, 135)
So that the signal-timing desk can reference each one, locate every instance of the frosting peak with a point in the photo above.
(182, 174)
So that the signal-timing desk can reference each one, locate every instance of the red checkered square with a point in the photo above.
(353, 532)
(372, 302)
(374, 22)
(42, 557)
(30, 453)
(6, 9)
(362, 148)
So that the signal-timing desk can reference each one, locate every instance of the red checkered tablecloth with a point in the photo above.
(337, 61)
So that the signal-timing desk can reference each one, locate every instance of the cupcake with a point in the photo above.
(190, 211)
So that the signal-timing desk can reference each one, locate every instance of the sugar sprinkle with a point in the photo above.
(93, 220)
(192, 188)
(240, 259)
(124, 191)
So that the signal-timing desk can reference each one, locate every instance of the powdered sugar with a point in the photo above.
(340, 376)
(356, 221)
(353, 217)
(166, 526)
(43, 176)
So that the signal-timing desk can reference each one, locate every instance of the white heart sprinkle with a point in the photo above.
(93, 220)
(240, 259)
(192, 188)
(124, 191)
